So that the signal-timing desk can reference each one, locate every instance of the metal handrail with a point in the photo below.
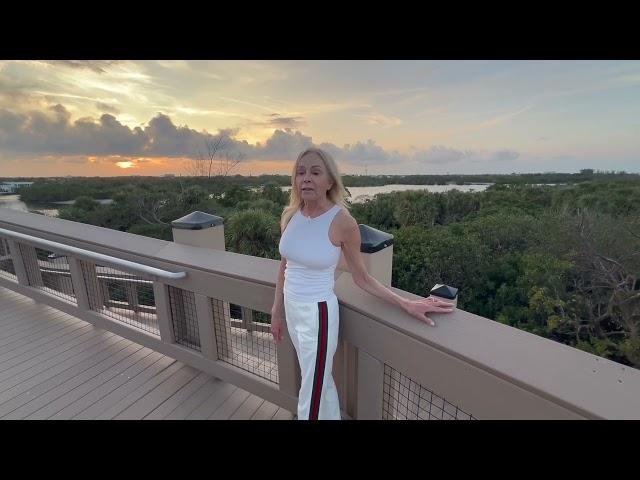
(137, 267)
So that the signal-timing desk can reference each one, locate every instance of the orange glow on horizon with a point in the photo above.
(112, 166)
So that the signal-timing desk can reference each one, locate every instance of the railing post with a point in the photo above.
(201, 229)
(247, 319)
(97, 296)
(29, 259)
(131, 293)
(370, 387)
(179, 314)
(163, 311)
(79, 284)
(18, 263)
(102, 292)
(204, 313)
(339, 374)
(289, 375)
(345, 376)
(377, 252)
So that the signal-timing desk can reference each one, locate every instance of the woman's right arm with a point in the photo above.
(277, 311)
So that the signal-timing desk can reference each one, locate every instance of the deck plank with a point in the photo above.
(37, 338)
(230, 405)
(202, 403)
(165, 390)
(283, 414)
(52, 364)
(266, 411)
(56, 366)
(98, 400)
(141, 391)
(173, 402)
(248, 408)
(47, 395)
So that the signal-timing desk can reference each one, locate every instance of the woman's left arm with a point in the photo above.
(351, 240)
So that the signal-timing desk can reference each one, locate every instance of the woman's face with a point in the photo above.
(312, 178)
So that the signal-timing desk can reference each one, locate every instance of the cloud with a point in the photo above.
(286, 122)
(76, 160)
(277, 121)
(379, 119)
(52, 132)
(97, 66)
(439, 154)
(17, 93)
(504, 156)
(107, 108)
(367, 153)
(284, 144)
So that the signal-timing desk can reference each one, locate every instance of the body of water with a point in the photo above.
(361, 194)
(13, 202)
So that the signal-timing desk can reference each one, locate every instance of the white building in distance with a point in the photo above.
(11, 187)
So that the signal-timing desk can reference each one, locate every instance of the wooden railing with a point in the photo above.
(388, 365)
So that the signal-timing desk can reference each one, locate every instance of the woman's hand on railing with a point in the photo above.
(419, 308)
(277, 325)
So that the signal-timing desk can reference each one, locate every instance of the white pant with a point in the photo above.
(313, 328)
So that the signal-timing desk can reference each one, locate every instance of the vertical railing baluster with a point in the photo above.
(204, 314)
(288, 368)
(222, 318)
(370, 387)
(18, 262)
(163, 311)
(79, 284)
(31, 265)
(247, 319)
(131, 289)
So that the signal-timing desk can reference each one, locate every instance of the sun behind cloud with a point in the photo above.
(125, 164)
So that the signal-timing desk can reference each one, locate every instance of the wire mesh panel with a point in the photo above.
(121, 295)
(245, 342)
(184, 317)
(48, 271)
(6, 262)
(404, 399)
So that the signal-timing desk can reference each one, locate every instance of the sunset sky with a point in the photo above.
(109, 118)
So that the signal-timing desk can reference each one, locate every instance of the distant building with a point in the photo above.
(11, 187)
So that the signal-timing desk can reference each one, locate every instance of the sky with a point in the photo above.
(112, 118)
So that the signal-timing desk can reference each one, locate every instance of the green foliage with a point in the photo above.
(273, 192)
(415, 208)
(262, 204)
(423, 258)
(86, 203)
(235, 194)
(192, 196)
(253, 232)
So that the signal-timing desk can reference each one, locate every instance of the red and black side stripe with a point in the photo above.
(321, 357)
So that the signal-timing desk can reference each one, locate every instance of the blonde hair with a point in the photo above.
(337, 193)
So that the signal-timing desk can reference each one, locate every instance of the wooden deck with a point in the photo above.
(56, 366)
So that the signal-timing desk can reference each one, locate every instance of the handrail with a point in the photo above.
(137, 267)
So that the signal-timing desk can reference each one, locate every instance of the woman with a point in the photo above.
(316, 228)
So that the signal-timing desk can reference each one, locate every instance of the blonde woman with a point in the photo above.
(316, 228)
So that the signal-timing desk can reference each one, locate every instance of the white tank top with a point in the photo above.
(311, 257)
